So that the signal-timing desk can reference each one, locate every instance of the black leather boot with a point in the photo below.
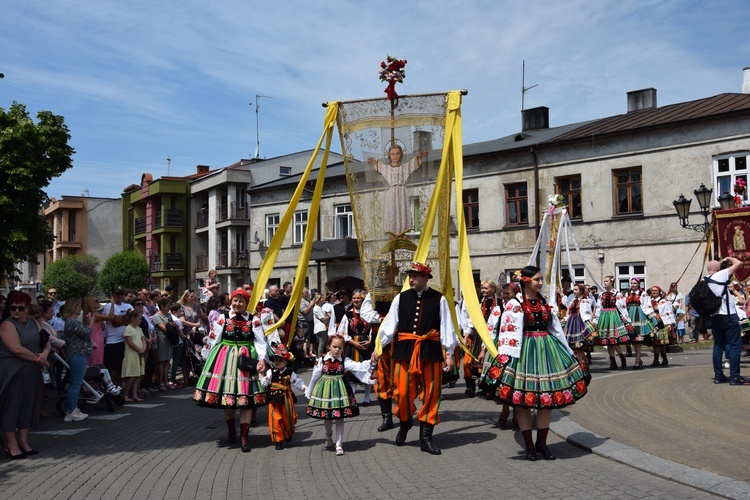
(231, 431)
(244, 439)
(402, 430)
(471, 387)
(541, 444)
(612, 364)
(385, 411)
(623, 362)
(530, 451)
(425, 439)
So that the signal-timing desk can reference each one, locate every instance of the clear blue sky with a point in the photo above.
(138, 81)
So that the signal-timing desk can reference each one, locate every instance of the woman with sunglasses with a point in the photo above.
(21, 360)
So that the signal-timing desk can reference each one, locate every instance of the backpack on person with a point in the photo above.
(703, 299)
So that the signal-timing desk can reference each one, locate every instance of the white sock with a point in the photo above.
(339, 431)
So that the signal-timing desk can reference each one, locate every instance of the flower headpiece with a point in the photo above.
(517, 275)
(418, 267)
(280, 351)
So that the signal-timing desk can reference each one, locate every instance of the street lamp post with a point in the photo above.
(682, 206)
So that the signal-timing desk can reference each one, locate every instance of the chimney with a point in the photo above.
(642, 99)
(535, 118)
(202, 169)
(746, 80)
(422, 141)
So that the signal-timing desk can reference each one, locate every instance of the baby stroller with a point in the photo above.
(194, 360)
(91, 391)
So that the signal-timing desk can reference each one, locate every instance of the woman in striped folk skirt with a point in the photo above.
(540, 370)
(663, 320)
(223, 384)
(639, 309)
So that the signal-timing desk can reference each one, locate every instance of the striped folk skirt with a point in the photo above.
(223, 385)
(544, 376)
(332, 398)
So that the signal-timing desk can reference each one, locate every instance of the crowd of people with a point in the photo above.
(398, 352)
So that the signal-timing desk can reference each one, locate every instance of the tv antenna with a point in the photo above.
(524, 88)
(257, 130)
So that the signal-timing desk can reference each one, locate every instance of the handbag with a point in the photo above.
(172, 334)
(247, 364)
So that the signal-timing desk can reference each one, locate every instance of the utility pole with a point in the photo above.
(524, 88)
(257, 129)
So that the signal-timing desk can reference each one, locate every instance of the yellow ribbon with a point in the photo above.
(312, 220)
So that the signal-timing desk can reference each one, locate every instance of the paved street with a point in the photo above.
(167, 447)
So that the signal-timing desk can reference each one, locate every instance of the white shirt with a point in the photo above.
(447, 335)
(112, 334)
(718, 289)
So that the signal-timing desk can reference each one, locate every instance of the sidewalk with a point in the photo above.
(677, 414)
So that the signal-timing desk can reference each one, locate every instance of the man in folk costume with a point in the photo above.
(419, 326)
(383, 373)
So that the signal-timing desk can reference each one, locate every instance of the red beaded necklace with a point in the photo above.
(533, 307)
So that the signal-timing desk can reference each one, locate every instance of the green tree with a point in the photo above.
(124, 269)
(73, 276)
(31, 154)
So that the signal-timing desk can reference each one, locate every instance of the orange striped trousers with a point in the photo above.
(384, 385)
(426, 385)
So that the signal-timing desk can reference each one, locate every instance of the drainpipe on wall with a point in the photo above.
(535, 156)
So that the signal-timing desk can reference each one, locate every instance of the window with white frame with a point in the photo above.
(272, 224)
(344, 221)
(627, 271)
(579, 273)
(300, 226)
(727, 170)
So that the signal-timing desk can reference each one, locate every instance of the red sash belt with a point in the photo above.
(415, 364)
(535, 334)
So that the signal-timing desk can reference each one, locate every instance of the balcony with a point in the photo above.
(70, 242)
(231, 212)
(140, 225)
(340, 249)
(238, 260)
(201, 219)
(169, 217)
(201, 262)
(173, 261)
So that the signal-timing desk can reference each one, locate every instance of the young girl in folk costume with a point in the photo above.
(282, 415)
(223, 383)
(614, 323)
(639, 309)
(330, 395)
(664, 321)
(357, 334)
(473, 362)
(541, 371)
(579, 327)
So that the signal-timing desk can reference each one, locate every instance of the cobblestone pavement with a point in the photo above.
(166, 447)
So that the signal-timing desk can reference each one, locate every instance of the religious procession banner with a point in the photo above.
(732, 238)
(404, 163)
(392, 152)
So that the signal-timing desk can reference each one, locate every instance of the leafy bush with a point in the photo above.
(124, 269)
(73, 276)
